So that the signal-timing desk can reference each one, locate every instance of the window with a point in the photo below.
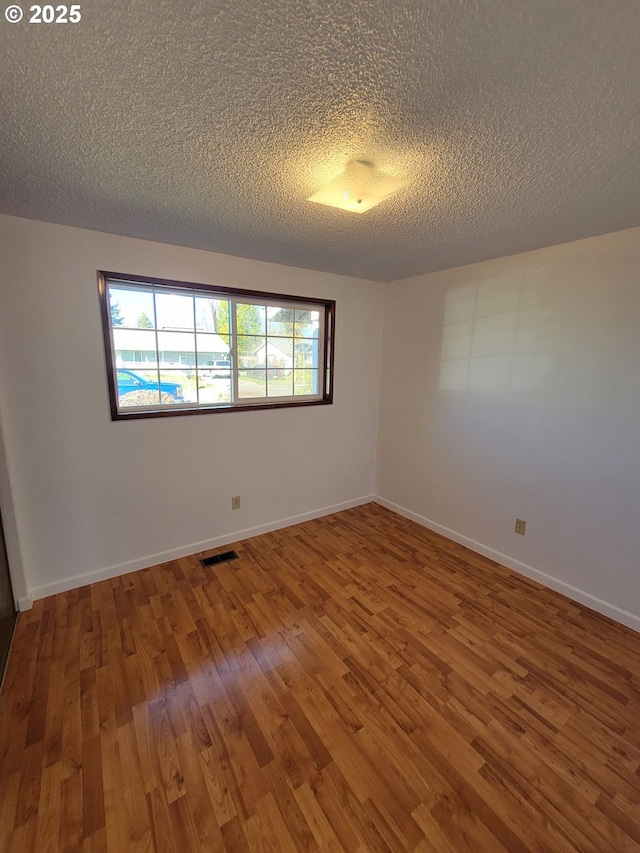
(175, 348)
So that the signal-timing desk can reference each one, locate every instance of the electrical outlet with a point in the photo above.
(521, 526)
(235, 502)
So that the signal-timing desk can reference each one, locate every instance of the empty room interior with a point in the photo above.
(320, 426)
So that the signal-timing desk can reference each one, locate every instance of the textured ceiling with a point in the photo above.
(208, 124)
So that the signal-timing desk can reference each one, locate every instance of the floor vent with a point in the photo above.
(219, 558)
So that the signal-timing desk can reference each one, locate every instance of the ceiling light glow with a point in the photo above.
(359, 188)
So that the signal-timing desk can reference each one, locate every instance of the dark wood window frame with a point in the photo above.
(325, 359)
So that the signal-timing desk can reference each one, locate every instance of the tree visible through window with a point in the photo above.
(176, 348)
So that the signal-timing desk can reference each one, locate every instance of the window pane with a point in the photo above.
(305, 382)
(143, 388)
(139, 399)
(222, 368)
(133, 346)
(215, 390)
(206, 354)
(177, 349)
(215, 382)
(306, 352)
(211, 348)
(307, 323)
(250, 319)
(252, 351)
(280, 321)
(212, 315)
(131, 308)
(280, 353)
(128, 380)
(174, 311)
(252, 383)
(179, 384)
(279, 383)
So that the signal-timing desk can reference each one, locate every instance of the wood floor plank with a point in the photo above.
(70, 835)
(48, 823)
(351, 684)
(8, 808)
(317, 821)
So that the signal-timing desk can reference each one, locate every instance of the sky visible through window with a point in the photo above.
(176, 311)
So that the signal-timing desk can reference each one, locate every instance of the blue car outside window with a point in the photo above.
(130, 381)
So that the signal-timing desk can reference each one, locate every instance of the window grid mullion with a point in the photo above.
(195, 348)
(233, 326)
(155, 329)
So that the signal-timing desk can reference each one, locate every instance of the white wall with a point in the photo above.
(94, 498)
(512, 388)
(509, 388)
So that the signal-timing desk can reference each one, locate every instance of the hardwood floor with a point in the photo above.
(354, 683)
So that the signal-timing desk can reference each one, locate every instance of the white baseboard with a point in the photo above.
(108, 572)
(579, 595)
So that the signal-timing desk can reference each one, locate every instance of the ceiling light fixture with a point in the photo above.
(359, 188)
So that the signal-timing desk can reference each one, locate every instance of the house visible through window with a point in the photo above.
(178, 348)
